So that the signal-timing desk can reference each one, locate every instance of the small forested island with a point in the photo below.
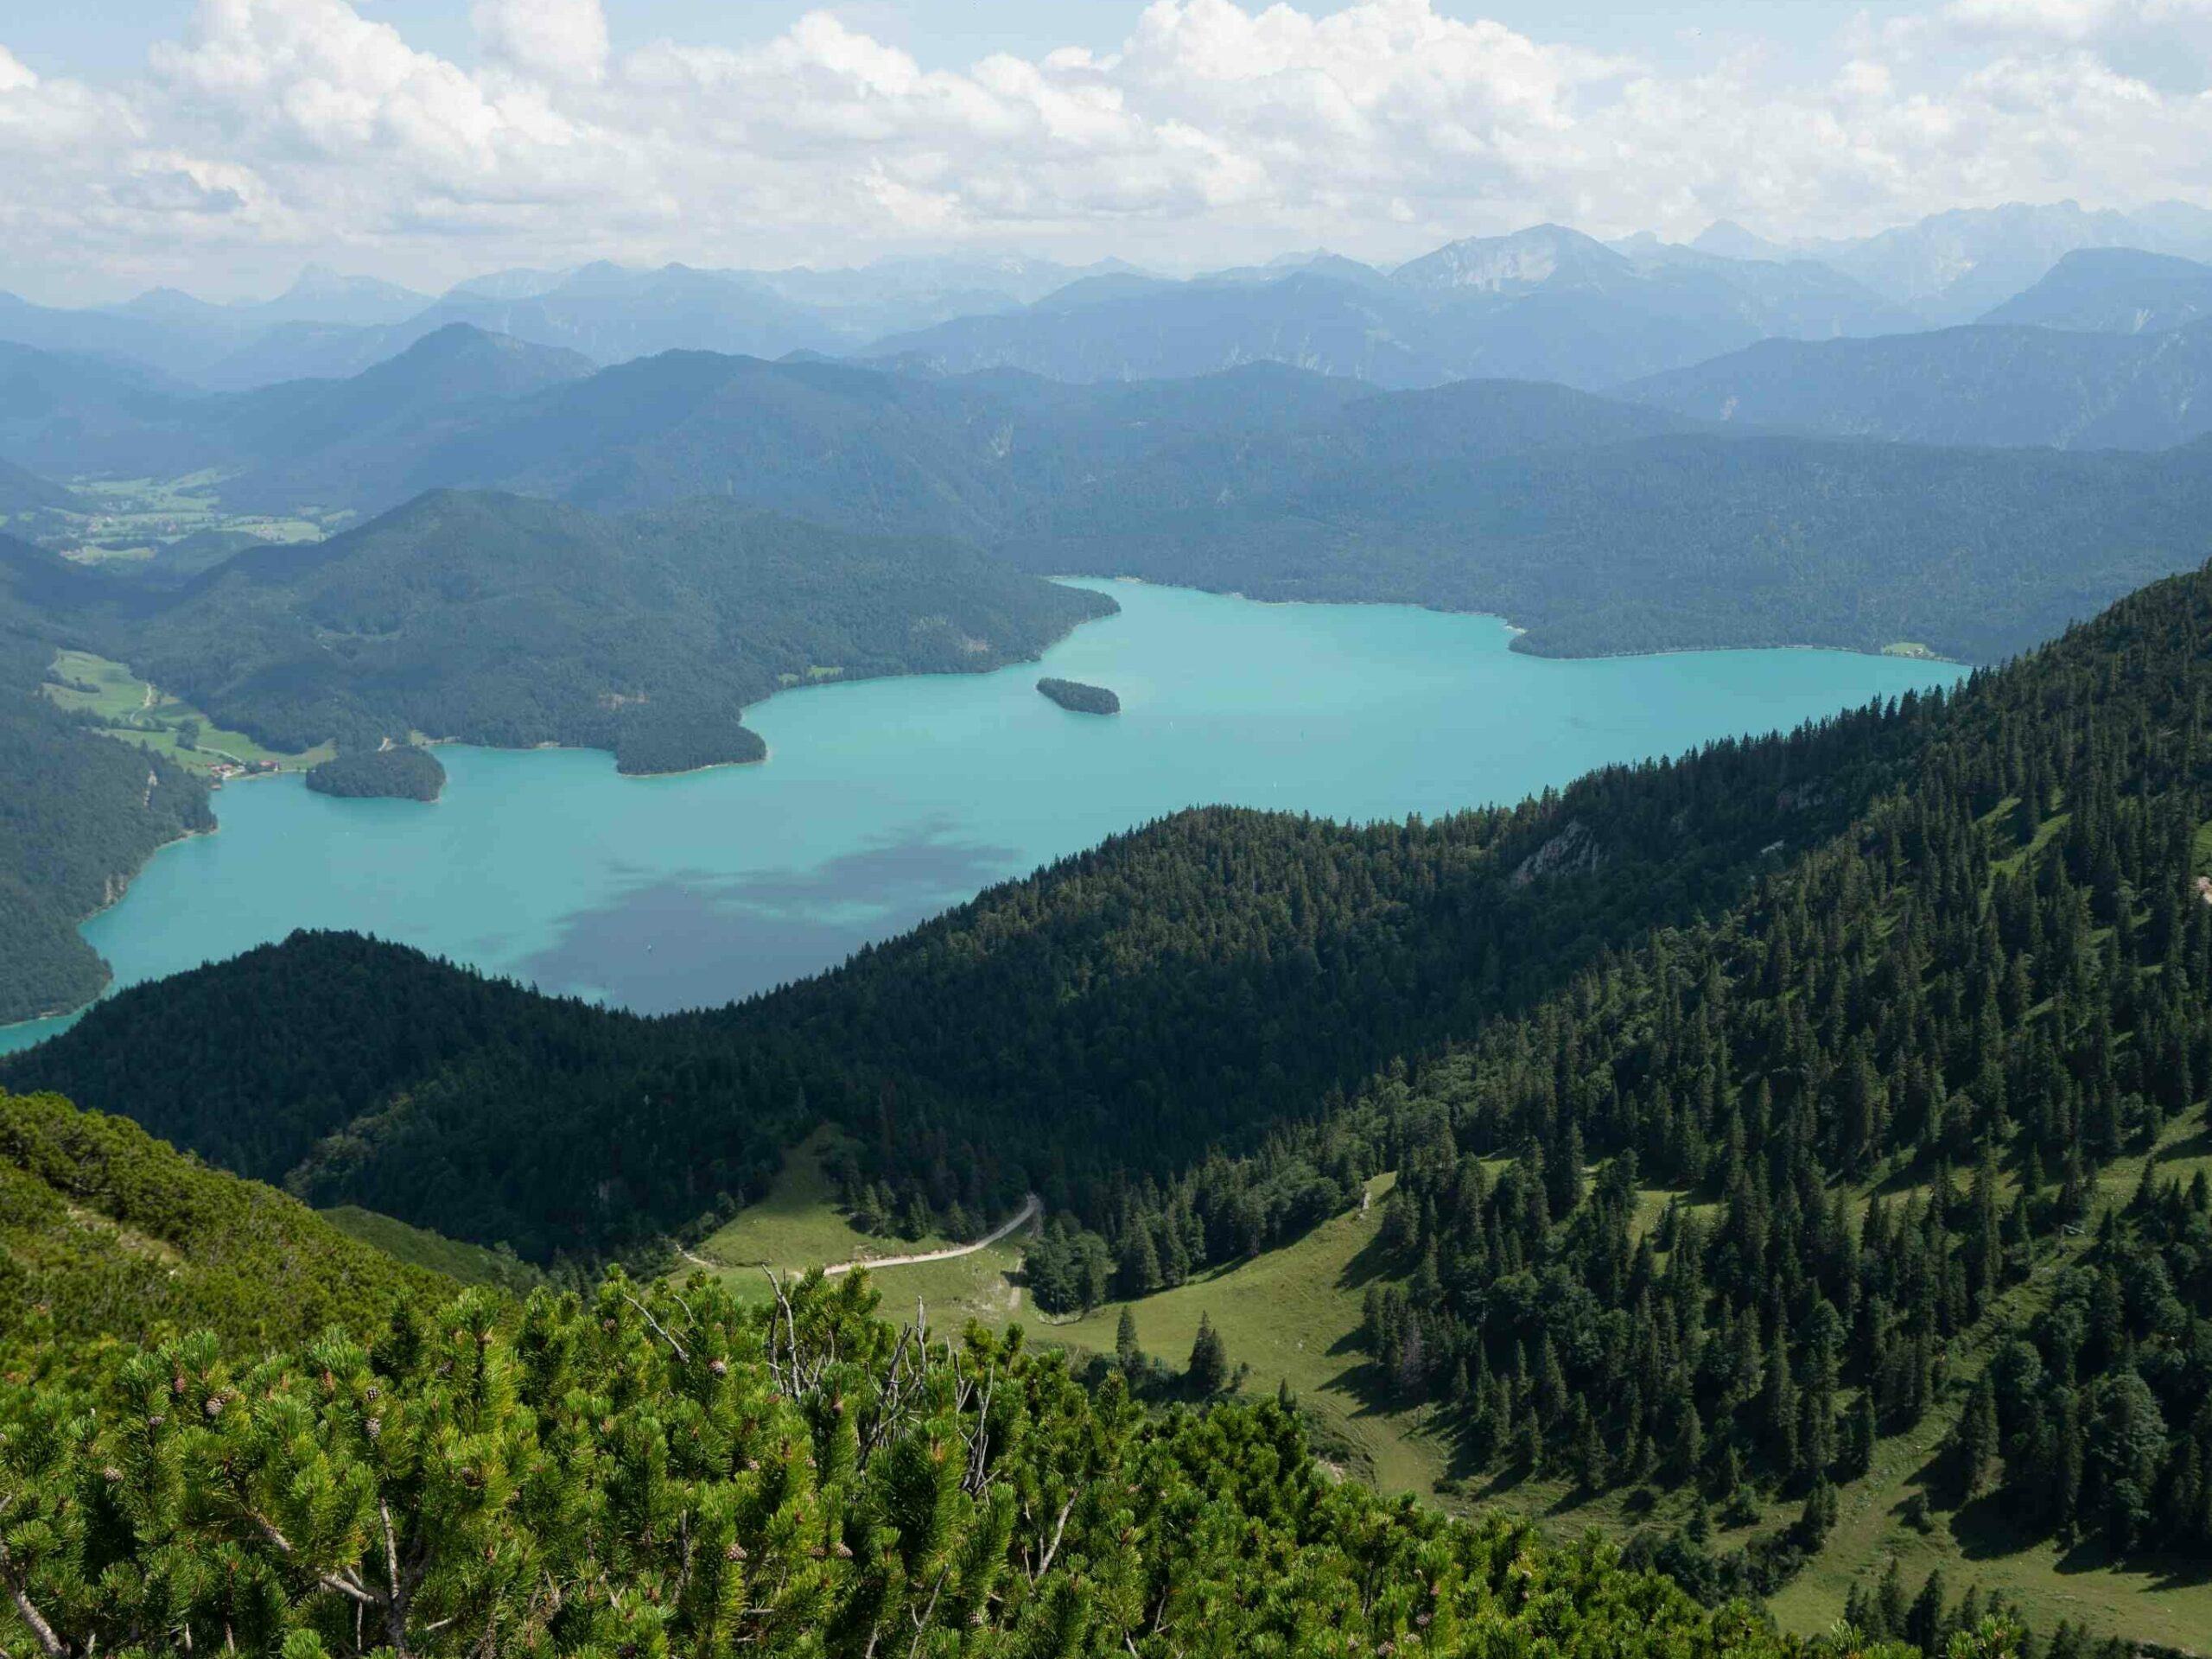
(654, 744)
(404, 772)
(1083, 699)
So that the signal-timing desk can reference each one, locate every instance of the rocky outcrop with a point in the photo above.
(1572, 851)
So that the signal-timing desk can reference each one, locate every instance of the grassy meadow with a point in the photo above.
(138, 712)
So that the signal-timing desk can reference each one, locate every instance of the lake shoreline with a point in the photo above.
(107, 984)
(1520, 633)
(894, 799)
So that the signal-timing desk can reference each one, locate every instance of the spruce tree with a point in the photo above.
(1974, 1443)
(1127, 1354)
(1209, 1368)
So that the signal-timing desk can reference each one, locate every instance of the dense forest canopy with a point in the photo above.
(78, 812)
(403, 771)
(654, 743)
(1688, 541)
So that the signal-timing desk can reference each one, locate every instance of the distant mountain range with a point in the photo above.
(1954, 267)
(1762, 499)
(328, 326)
(2113, 291)
(1546, 302)
(2012, 385)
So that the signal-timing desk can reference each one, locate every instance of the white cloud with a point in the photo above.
(563, 39)
(2073, 20)
(270, 130)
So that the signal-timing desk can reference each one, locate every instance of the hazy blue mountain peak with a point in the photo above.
(2113, 291)
(1542, 255)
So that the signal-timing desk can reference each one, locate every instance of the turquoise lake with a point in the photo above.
(884, 803)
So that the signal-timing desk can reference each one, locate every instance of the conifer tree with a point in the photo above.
(1127, 1354)
(1209, 1368)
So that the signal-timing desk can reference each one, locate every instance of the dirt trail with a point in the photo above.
(1031, 1207)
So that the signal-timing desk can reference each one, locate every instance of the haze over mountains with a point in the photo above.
(1544, 303)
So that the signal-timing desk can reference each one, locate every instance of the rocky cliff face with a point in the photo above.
(1574, 851)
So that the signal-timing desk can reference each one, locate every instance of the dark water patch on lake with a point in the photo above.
(696, 940)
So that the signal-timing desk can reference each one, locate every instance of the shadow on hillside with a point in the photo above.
(2197, 1146)
(1372, 1262)
(1986, 1529)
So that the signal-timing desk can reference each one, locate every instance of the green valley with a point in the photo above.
(1789, 1157)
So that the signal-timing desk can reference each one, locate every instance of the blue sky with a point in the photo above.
(220, 144)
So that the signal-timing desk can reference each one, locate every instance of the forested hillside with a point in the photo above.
(1663, 542)
(66, 415)
(507, 621)
(24, 492)
(78, 812)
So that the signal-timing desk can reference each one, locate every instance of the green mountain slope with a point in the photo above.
(1667, 541)
(108, 1233)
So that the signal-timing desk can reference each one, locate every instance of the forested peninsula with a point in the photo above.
(403, 771)
(515, 622)
(653, 744)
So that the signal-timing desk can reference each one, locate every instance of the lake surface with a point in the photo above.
(884, 803)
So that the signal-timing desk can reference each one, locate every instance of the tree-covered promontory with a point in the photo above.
(404, 772)
(652, 742)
